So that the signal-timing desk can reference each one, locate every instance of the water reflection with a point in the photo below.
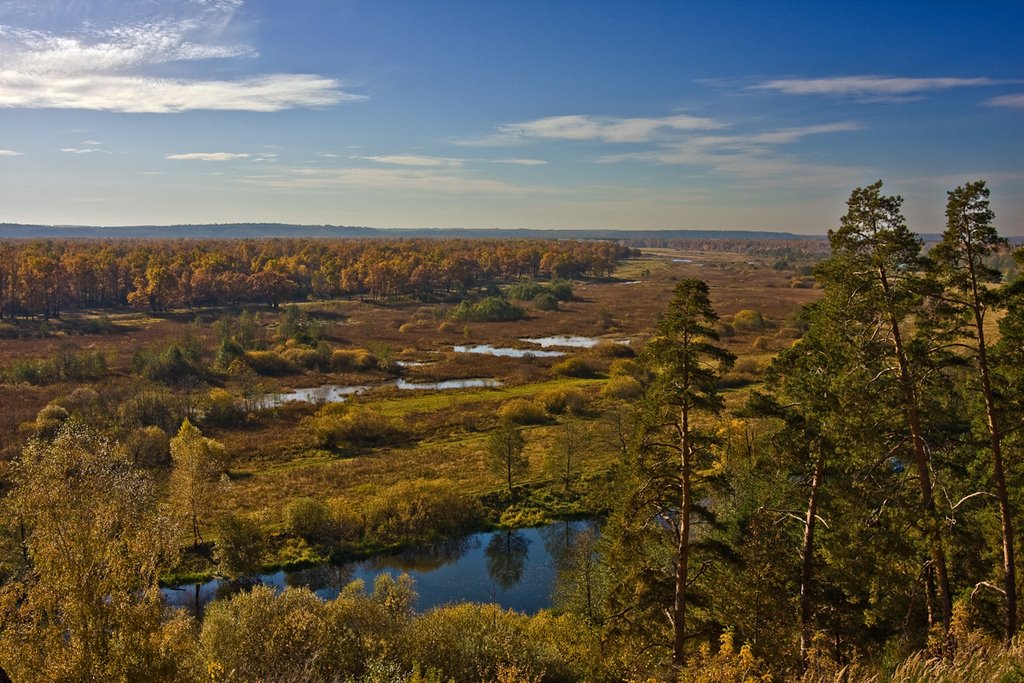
(336, 393)
(507, 553)
(505, 351)
(515, 569)
(565, 340)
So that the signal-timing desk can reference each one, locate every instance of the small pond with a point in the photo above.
(516, 569)
(335, 393)
(506, 351)
(564, 340)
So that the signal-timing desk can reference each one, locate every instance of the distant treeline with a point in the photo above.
(46, 277)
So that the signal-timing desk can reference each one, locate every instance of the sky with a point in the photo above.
(516, 114)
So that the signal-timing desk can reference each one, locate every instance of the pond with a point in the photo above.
(564, 340)
(506, 351)
(335, 393)
(516, 569)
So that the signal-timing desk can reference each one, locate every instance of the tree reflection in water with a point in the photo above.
(506, 555)
(322, 577)
(427, 558)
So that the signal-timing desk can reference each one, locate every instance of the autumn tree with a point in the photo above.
(197, 465)
(504, 455)
(87, 605)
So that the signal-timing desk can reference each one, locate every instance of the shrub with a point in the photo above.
(526, 291)
(563, 400)
(407, 327)
(148, 447)
(545, 302)
(353, 360)
(725, 330)
(152, 408)
(627, 367)
(310, 519)
(573, 367)
(609, 349)
(49, 421)
(303, 357)
(447, 328)
(420, 510)
(227, 352)
(522, 412)
(269, 363)
(760, 344)
(622, 387)
(240, 545)
(490, 309)
(748, 320)
(561, 289)
(221, 408)
(338, 426)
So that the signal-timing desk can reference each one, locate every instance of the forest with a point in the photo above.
(804, 464)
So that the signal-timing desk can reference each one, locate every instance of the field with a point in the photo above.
(441, 434)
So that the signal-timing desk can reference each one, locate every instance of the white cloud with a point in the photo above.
(411, 160)
(583, 127)
(112, 68)
(84, 150)
(208, 156)
(869, 86)
(520, 162)
(1012, 101)
(9, 153)
(412, 180)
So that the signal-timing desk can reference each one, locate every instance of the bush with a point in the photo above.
(152, 408)
(725, 330)
(240, 545)
(490, 309)
(563, 400)
(148, 447)
(608, 349)
(760, 344)
(522, 412)
(421, 510)
(545, 302)
(337, 426)
(561, 289)
(66, 364)
(573, 367)
(221, 408)
(269, 363)
(627, 367)
(448, 328)
(353, 360)
(310, 359)
(310, 519)
(407, 327)
(623, 388)
(748, 320)
(526, 291)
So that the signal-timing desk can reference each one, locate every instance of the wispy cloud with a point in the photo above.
(9, 153)
(406, 179)
(520, 162)
(84, 150)
(751, 156)
(411, 160)
(113, 68)
(583, 127)
(208, 156)
(1011, 101)
(869, 86)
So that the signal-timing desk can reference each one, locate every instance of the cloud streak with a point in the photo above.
(583, 128)
(113, 69)
(869, 86)
(208, 156)
(9, 153)
(411, 160)
(1015, 101)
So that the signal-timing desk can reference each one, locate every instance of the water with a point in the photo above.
(515, 569)
(564, 340)
(335, 393)
(504, 351)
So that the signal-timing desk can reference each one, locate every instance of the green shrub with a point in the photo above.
(339, 426)
(573, 367)
(522, 412)
(158, 408)
(563, 400)
(561, 289)
(221, 407)
(269, 363)
(240, 545)
(353, 360)
(490, 309)
(147, 447)
(526, 291)
(748, 320)
(420, 510)
(609, 349)
(545, 302)
(310, 519)
(623, 388)
(627, 367)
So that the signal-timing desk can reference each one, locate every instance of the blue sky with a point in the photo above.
(555, 114)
